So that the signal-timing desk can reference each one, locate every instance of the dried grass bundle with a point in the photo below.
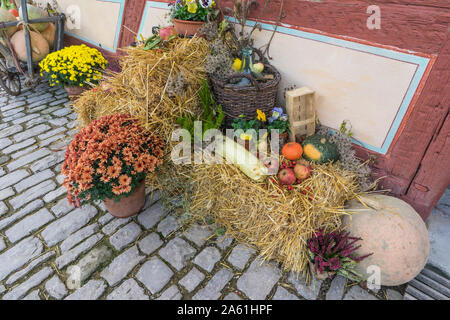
(141, 89)
(278, 222)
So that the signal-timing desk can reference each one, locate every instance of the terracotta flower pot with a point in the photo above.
(129, 206)
(187, 28)
(75, 91)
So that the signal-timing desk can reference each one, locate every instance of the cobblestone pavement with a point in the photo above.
(151, 256)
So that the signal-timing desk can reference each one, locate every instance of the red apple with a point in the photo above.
(166, 32)
(286, 176)
(302, 171)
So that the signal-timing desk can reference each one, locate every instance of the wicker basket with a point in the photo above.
(237, 100)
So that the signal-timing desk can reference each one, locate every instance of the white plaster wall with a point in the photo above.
(153, 17)
(361, 87)
(98, 20)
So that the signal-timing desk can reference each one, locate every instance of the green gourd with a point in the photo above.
(318, 148)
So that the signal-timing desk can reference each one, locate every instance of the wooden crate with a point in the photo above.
(301, 112)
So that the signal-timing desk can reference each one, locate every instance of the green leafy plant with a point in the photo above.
(242, 123)
(194, 10)
(212, 116)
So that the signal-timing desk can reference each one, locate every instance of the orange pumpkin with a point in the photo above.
(292, 151)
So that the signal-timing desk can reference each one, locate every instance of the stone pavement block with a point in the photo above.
(151, 216)
(240, 255)
(168, 225)
(25, 119)
(33, 295)
(33, 264)
(92, 290)
(14, 117)
(154, 274)
(337, 287)
(3, 208)
(50, 133)
(393, 295)
(62, 207)
(34, 131)
(358, 293)
(12, 178)
(171, 293)
(20, 162)
(90, 263)
(17, 256)
(192, 279)
(35, 280)
(65, 226)
(17, 146)
(28, 225)
(150, 243)
(114, 224)
(55, 288)
(78, 236)
(214, 286)
(223, 242)
(128, 290)
(308, 291)
(198, 234)
(208, 258)
(69, 256)
(2, 244)
(283, 294)
(50, 140)
(5, 142)
(23, 152)
(36, 121)
(104, 219)
(52, 195)
(177, 252)
(4, 133)
(6, 193)
(33, 180)
(32, 194)
(47, 162)
(121, 266)
(250, 282)
(12, 112)
(125, 236)
(58, 121)
(31, 207)
(232, 296)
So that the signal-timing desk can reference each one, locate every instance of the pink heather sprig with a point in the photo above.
(332, 251)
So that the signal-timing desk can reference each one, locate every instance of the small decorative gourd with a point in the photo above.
(318, 148)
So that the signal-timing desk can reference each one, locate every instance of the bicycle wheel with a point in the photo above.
(9, 81)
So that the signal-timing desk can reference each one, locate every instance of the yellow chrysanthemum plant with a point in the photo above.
(73, 66)
(194, 10)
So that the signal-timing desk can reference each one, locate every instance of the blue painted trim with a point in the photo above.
(421, 62)
(118, 28)
(150, 4)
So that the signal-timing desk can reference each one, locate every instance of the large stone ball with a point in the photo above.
(394, 232)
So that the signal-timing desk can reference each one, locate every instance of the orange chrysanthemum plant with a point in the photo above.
(109, 159)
